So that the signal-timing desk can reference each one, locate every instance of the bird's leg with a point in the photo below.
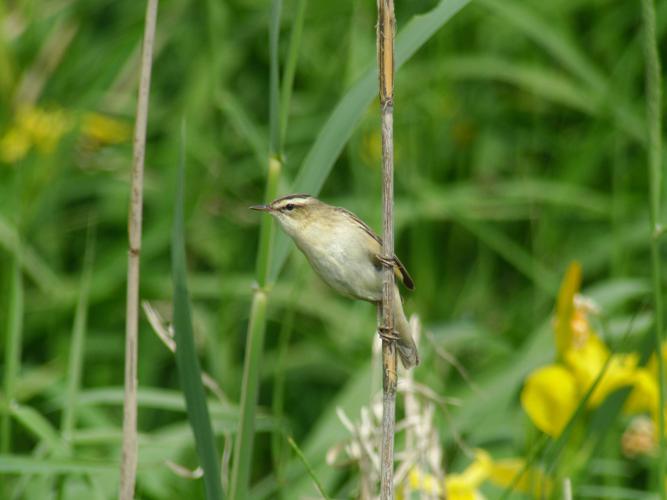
(388, 335)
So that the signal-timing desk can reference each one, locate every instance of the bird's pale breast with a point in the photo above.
(344, 262)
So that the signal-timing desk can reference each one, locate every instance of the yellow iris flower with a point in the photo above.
(465, 485)
(552, 393)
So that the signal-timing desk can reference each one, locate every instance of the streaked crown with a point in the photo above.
(293, 203)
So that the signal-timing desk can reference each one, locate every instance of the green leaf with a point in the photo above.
(39, 426)
(186, 355)
(13, 350)
(76, 351)
(13, 464)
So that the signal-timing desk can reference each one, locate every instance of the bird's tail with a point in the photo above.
(407, 349)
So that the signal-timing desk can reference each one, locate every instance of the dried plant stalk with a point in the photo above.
(385, 55)
(128, 466)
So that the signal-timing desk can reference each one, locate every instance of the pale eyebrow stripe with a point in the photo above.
(292, 196)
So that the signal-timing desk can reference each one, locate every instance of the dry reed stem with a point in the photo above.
(385, 55)
(128, 467)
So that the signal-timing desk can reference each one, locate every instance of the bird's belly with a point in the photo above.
(347, 269)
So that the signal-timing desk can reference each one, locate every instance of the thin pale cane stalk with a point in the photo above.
(567, 489)
(654, 128)
(385, 55)
(257, 325)
(128, 466)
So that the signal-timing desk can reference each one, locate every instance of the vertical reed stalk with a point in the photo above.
(385, 55)
(128, 466)
(253, 353)
(257, 325)
(654, 128)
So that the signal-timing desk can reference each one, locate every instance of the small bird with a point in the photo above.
(346, 254)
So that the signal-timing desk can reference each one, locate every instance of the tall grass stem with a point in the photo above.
(654, 129)
(13, 350)
(309, 469)
(76, 351)
(290, 71)
(128, 467)
(240, 480)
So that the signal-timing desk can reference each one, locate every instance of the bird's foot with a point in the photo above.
(386, 261)
(387, 334)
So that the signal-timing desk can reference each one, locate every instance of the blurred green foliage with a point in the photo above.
(520, 146)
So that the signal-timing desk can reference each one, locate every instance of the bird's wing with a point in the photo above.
(399, 269)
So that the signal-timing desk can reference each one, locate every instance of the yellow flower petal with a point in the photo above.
(587, 363)
(104, 129)
(549, 397)
(44, 127)
(419, 480)
(565, 307)
(478, 471)
(532, 481)
(14, 145)
(461, 486)
(458, 488)
(644, 395)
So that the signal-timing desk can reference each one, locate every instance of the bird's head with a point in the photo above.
(293, 211)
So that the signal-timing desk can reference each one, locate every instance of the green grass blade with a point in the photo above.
(348, 112)
(514, 253)
(39, 426)
(249, 388)
(13, 351)
(16, 464)
(76, 351)
(242, 462)
(325, 433)
(290, 71)
(148, 397)
(561, 46)
(274, 78)
(186, 355)
(239, 118)
(31, 262)
(654, 127)
(309, 469)
(543, 81)
(544, 32)
(278, 396)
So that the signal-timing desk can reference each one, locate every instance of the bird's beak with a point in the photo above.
(262, 208)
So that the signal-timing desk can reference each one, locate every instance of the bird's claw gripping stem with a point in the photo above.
(387, 334)
(386, 261)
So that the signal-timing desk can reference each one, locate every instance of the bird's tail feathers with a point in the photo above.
(407, 349)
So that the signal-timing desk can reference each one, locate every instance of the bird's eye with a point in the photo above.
(289, 206)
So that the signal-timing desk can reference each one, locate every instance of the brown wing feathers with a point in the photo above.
(399, 269)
